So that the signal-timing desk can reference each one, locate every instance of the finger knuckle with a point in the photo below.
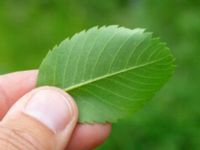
(12, 139)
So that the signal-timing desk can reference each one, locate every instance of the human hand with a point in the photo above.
(42, 118)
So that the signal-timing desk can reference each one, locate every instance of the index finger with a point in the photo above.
(13, 86)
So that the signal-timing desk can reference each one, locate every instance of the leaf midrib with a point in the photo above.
(112, 74)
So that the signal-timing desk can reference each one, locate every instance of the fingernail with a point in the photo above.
(51, 108)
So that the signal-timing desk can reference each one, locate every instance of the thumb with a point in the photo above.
(43, 119)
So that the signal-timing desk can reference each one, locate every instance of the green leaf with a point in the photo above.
(110, 71)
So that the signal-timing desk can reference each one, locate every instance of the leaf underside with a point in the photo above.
(109, 71)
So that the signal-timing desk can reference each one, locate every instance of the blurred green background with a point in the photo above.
(171, 121)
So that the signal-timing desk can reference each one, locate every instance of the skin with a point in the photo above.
(13, 86)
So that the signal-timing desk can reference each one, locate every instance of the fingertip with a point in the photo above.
(89, 136)
(53, 107)
(13, 86)
(20, 74)
(101, 132)
(69, 97)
